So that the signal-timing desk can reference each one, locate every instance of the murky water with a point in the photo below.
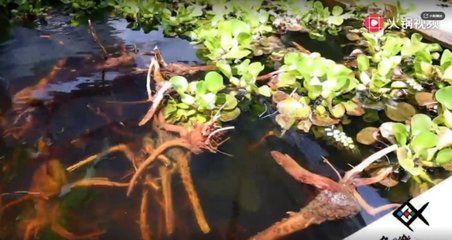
(73, 117)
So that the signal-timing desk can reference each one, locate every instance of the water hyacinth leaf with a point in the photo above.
(400, 133)
(424, 98)
(363, 62)
(265, 91)
(227, 116)
(323, 120)
(338, 111)
(304, 125)
(207, 101)
(400, 111)
(446, 58)
(353, 109)
(226, 101)
(444, 96)
(214, 82)
(225, 69)
(370, 116)
(420, 123)
(284, 121)
(179, 83)
(423, 141)
(337, 10)
(293, 108)
(447, 75)
(367, 136)
(406, 162)
(444, 156)
(387, 131)
(187, 99)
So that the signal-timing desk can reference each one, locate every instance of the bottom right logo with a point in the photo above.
(407, 213)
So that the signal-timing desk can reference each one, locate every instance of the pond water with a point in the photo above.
(73, 117)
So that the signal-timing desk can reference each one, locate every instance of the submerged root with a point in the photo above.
(165, 175)
(144, 225)
(98, 182)
(184, 171)
(64, 233)
(118, 148)
(161, 149)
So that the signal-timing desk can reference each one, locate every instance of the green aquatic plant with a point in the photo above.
(180, 20)
(421, 143)
(198, 101)
(141, 14)
(312, 17)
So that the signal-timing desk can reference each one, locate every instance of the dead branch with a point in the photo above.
(98, 182)
(157, 99)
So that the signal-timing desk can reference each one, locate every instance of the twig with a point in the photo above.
(166, 86)
(369, 160)
(325, 160)
(184, 171)
(92, 30)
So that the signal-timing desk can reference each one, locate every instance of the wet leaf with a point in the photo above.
(420, 123)
(265, 91)
(444, 157)
(423, 141)
(353, 108)
(444, 96)
(214, 82)
(367, 136)
(179, 83)
(226, 116)
(338, 111)
(363, 62)
(323, 120)
(400, 111)
(293, 108)
(424, 98)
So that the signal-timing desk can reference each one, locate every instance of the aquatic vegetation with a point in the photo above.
(393, 79)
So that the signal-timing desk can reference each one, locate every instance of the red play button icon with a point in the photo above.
(374, 22)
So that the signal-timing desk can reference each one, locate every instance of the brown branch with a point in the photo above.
(168, 210)
(303, 175)
(184, 171)
(162, 148)
(157, 99)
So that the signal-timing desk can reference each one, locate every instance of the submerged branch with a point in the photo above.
(98, 182)
(157, 99)
(369, 160)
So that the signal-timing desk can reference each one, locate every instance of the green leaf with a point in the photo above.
(446, 58)
(265, 91)
(363, 62)
(447, 75)
(444, 156)
(420, 123)
(225, 68)
(214, 82)
(400, 133)
(399, 111)
(226, 116)
(337, 10)
(444, 96)
(293, 108)
(179, 83)
(207, 101)
(423, 141)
